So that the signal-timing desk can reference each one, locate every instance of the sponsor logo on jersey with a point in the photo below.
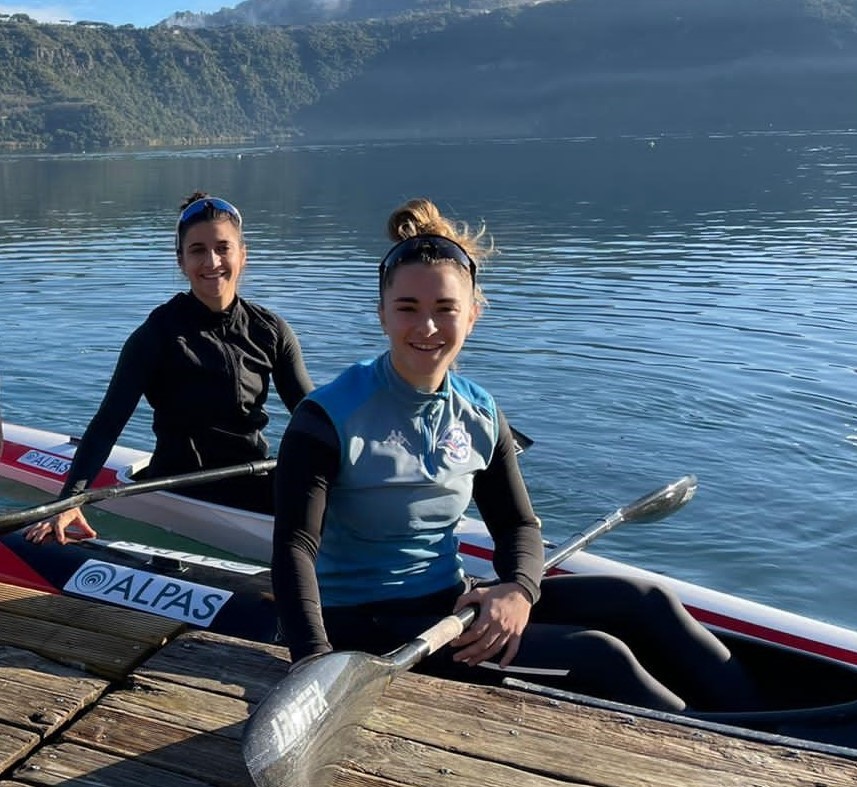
(188, 602)
(396, 439)
(456, 442)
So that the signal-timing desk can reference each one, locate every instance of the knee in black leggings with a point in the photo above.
(645, 598)
(660, 600)
(597, 653)
(604, 666)
(649, 607)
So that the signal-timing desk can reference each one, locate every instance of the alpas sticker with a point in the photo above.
(49, 463)
(142, 590)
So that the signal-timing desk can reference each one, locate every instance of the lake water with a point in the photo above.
(660, 307)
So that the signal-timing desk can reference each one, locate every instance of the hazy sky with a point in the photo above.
(115, 12)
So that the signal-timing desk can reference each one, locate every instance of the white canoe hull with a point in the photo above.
(41, 459)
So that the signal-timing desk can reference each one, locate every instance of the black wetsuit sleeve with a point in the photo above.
(502, 499)
(290, 375)
(307, 466)
(133, 369)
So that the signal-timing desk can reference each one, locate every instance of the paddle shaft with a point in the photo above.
(649, 508)
(16, 519)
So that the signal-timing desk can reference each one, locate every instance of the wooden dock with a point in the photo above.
(96, 696)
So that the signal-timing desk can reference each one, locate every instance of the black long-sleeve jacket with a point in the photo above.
(206, 376)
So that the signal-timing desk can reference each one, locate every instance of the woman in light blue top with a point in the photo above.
(377, 468)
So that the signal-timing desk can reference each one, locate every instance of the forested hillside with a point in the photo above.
(557, 68)
(79, 87)
(307, 12)
(610, 67)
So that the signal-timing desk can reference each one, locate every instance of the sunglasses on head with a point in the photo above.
(210, 205)
(426, 248)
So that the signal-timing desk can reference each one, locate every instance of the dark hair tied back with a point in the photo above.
(420, 216)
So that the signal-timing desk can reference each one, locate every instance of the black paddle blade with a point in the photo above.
(522, 442)
(307, 724)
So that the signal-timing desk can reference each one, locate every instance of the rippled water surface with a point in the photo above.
(659, 307)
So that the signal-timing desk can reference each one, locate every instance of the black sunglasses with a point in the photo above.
(425, 248)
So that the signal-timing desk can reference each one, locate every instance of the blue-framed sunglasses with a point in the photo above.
(425, 248)
(210, 206)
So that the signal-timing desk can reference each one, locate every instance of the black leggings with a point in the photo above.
(616, 638)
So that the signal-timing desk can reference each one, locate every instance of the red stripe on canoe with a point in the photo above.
(13, 453)
(14, 571)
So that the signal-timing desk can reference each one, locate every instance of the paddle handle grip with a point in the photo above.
(431, 640)
(447, 629)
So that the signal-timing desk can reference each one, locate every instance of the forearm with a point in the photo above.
(297, 598)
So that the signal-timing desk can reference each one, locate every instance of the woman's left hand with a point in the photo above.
(503, 614)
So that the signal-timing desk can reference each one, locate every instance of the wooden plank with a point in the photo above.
(213, 758)
(33, 708)
(69, 764)
(38, 697)
(18, 664)
(590, 745)
(15, 745)
(390, 760)
(23, 666)
(108, 655)
(220, 664)
(91, 616)
(345, 778)
(179, 718)
(173, 703)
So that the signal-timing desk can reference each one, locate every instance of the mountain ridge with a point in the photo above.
(311, 12)
(556, 68)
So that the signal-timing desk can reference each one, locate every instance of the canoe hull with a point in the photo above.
(41, 459)
(819, 708)
(818, 711)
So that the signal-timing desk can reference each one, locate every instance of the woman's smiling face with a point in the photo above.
(212, 257)
(427, 311)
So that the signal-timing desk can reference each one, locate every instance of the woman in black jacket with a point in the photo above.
(204, 361)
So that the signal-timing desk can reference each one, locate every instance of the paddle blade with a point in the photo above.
(522, 442)
(662, 503)
(307, 724)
